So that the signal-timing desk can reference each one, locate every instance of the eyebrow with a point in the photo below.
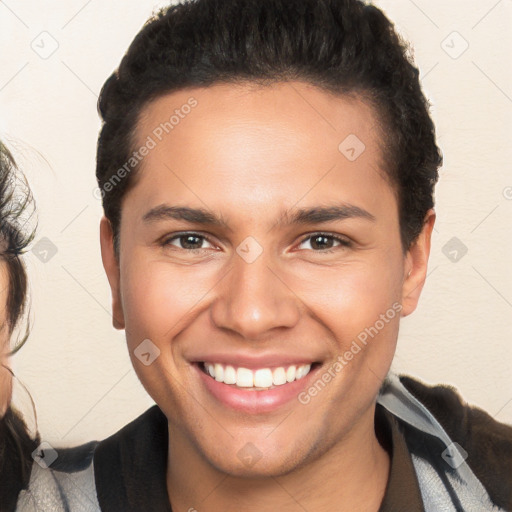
(314, 215)
(192, 215)
(319, 214)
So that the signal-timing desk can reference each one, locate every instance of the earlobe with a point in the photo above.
(111, 266)
(416, 264)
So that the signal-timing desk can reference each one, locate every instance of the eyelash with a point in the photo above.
(344, 243)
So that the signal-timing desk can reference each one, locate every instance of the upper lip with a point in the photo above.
(254, 361)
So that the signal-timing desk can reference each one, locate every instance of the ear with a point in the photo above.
(416, 263)
(111, 266)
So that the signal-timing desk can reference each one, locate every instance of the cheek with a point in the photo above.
(157, 297)
(359, 308)
(351, 298)
(157, 300)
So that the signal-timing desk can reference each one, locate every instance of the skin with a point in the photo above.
(5, 375)
(248, 154)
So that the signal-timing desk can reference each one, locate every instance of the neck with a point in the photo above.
(351, 475)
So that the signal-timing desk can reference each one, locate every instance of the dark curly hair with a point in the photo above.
(17, 210)
(344, 47)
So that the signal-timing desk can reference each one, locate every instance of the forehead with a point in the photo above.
(300, 110)
(256, 146)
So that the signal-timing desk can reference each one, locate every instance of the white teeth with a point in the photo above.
(244, 378)
(290, 374)
(279, 376)
(229, 375)
(219, 372)
(302, 371)
(261, 378)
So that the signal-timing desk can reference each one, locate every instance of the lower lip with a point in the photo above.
(252, 401)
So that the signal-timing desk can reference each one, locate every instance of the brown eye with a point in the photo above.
(322, 242)
(190, 241)
(186, 241)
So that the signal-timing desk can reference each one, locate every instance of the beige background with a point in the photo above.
(76, 366)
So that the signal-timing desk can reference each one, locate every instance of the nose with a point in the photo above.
(254, 300)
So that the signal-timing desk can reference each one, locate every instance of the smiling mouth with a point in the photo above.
(260, 379)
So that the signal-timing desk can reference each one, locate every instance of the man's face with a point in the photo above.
(259, 290)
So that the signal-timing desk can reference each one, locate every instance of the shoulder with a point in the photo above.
(98, 473)
(130, 446)
(489, 440)
(130, 466)
(61, 479)
(453, 412)
(486, 442)
(16, 447)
